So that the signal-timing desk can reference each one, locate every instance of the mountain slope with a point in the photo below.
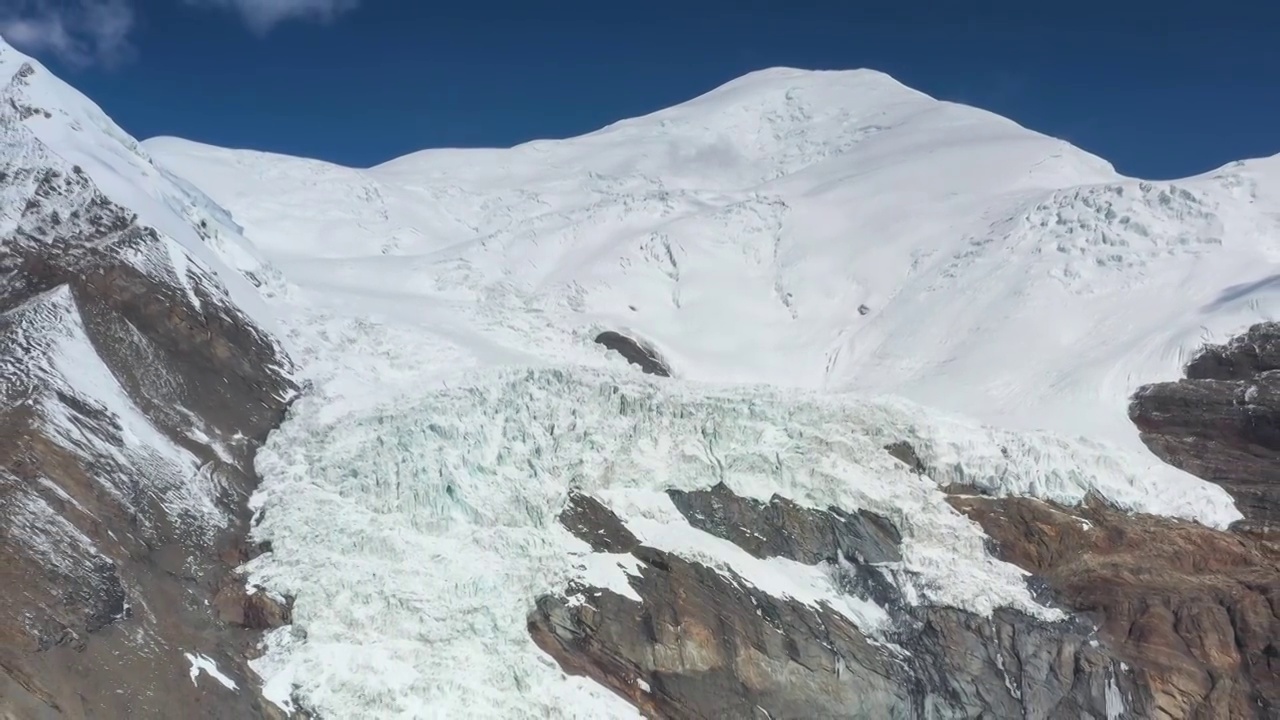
(786, 245)
(134, 390)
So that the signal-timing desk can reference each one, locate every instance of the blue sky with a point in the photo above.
(1161, 89)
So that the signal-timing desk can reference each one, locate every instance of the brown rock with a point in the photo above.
(256, 610)
(105, 577)
(1222, 423)
(1192, 608)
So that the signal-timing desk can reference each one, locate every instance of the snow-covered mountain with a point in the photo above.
(786, 244)
(830, 230)
(879, 311)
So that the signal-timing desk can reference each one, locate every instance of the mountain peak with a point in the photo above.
(772, 124)
(802, 94)
(788, 74)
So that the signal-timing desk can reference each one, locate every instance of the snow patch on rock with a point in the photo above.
(202, 664)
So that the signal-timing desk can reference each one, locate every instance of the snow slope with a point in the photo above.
(795, 244)
(55, 126)
(1004, 275)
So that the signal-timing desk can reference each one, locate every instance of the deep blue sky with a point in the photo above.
(1161, 89)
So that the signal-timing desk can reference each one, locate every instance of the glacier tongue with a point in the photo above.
(416, 536)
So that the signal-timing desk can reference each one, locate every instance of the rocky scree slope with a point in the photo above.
(133, 394)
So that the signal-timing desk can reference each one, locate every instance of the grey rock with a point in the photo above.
(905, 453)
(590, 521)
(1255, 351)
(781, 528)
(636, 352)
(703, 643)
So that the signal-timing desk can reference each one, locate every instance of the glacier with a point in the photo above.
(417, 537)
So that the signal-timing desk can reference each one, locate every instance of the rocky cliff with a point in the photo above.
(1222, 422)
(1193, 611)
(133, 393)
(701, 643)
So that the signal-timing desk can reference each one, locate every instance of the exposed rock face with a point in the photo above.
(782, 528)
(705, 646)
(1195, 611)
(635, 352)
(593, 523)
(703, 643)
(251, 608)
(1245, 356)
(133, 394)
(1222, 423)
(905, 453)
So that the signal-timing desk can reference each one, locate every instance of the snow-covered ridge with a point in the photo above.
(70, 131)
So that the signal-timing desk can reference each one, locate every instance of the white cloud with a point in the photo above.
(79, 32)
(262, 15)
(88, 32)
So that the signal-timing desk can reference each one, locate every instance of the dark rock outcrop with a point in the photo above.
(636, 353)
(593, 523)
(905, 453)
(1222, 423)
(133, 394)
(702, 643)
(1243, 357)
(781, 528)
